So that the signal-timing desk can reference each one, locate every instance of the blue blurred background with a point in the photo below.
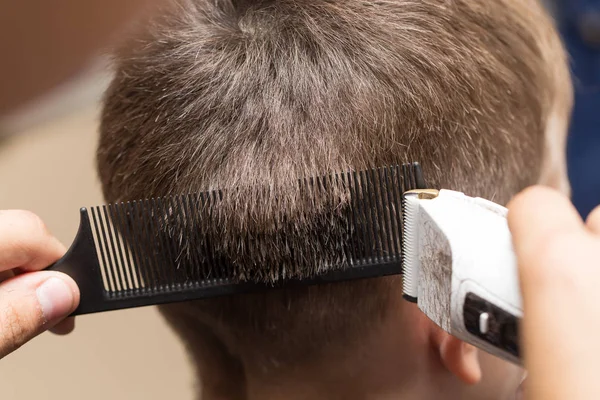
(579, 22)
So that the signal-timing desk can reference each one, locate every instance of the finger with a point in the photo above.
(553, 252)
(593, 221)
(25, 242)
(64, 327)
(536, 217)
(31, 303)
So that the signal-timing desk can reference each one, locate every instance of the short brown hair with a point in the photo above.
(229, 93)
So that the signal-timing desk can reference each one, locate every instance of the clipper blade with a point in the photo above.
(410, 246)
(410, 240)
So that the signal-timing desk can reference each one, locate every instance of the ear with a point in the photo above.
(460, 358)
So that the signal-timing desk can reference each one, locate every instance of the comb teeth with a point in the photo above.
(158, 250)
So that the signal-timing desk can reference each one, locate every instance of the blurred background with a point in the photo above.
(579, 23)
(47, 166)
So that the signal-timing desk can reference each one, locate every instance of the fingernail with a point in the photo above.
(56, 299)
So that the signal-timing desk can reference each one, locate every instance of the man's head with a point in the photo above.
(240, 93)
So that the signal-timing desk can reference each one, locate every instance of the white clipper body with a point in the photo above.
(460, 268)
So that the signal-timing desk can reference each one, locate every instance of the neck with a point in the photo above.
(396, 362)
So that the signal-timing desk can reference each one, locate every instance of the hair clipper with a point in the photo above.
(460, 268)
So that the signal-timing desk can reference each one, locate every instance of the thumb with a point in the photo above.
(559, 278)
(32, 303)
(539, 217)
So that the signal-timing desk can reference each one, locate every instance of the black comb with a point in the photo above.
(114, 269)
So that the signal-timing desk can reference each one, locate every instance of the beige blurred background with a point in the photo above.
(47, 166)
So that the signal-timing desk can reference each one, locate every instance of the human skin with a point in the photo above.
(557, 251)
(559, 264)
(42, 43)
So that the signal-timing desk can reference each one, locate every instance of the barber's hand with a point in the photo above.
(31, 301)
(559, 261)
